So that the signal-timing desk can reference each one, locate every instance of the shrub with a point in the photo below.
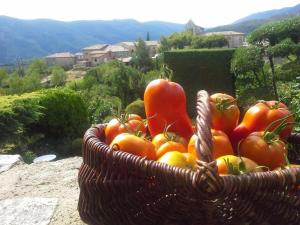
(64, 113)
(201, 69)
(136, 107)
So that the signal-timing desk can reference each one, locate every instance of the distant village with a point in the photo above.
(96, 54)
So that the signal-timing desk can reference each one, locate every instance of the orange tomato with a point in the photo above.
(135, 145)
(130, 124)
(221, 144)
(269, 153)
(225, 113)
(169, 147)
(162, 138)
(230, 164)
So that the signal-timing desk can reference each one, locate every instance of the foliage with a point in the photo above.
(274, 32)
(58, 76)
(38, 67)
(250, 75)
(30, 118)
(165, 44)
(212, 41)
(141, 56)
(207, 69)
(64, 113)
(182, 40)
(275, 39)
(136, 107)
(101, 107)
(3, 76)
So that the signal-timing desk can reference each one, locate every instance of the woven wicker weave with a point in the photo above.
(118, 188)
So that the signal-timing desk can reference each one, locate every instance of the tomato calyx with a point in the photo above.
(235, 170)
(272, 136)
(223, 104)
(169, 135)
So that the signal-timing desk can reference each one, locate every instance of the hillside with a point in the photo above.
(249, 23)
(36, 38)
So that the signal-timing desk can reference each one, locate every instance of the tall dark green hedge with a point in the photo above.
(195, 70)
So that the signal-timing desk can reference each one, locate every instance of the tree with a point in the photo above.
(165, 44)
(141, 56)
(249, 60)
(213, 41)
(272, 37)
(3, 76)
(39, 67)
(180, 40)
(58, 76)
(148, 36)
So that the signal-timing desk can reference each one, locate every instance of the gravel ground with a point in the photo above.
(48, 180)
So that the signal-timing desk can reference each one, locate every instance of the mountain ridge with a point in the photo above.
(20, 39)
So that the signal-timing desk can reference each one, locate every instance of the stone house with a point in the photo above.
(192, 27)
(235, 39)
(63, 59)
(152, 45)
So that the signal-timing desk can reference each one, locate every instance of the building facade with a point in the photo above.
(63, 59)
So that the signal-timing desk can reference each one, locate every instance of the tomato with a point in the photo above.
(175, 158)
(162, 138)
(165, 104)
(230, 164)
(131, 123)
(135, 145)
(259, 117)
(170, 146)
(221, 144)
(225, 113)
(269, 152)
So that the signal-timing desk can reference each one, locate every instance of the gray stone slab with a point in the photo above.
(7, 161)
(27, 211)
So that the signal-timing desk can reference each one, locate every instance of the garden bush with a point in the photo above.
(30, 118)
(136, 107)
(64, 113)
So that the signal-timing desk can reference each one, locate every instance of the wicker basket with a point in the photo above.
(117, 188)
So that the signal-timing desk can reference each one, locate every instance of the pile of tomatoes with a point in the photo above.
(167, 134)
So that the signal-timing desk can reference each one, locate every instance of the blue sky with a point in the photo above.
(208, 13)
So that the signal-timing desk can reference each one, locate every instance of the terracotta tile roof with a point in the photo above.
(61, 55)
(96, 47)
(225, 33)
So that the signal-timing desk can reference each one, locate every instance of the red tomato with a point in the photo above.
(129, 124)
(165, 104)
(225, 113)
(259, 117)
(266, 152)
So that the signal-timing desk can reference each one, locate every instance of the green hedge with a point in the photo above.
(54, 112)
(195, 70)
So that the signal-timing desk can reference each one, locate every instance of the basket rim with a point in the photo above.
(220, 183)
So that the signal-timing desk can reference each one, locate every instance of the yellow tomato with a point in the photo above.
(231, 164)
(169, 147)
(175, 158)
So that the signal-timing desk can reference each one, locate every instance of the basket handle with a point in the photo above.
(204, 144)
